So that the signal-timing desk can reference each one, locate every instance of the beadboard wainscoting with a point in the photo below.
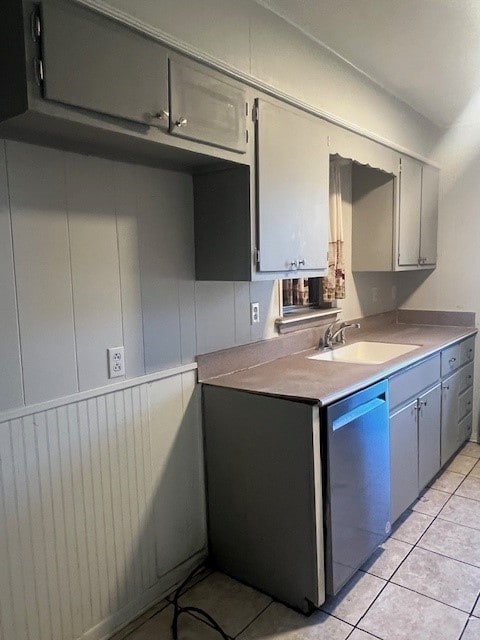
(101, 507)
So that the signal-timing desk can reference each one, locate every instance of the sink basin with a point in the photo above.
(365, 352)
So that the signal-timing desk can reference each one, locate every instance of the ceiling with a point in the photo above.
(425, 52)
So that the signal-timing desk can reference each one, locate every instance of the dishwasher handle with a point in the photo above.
(357, 412)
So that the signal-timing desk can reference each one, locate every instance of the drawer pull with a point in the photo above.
(452, 360)
(469, 403)
(446, 387)
(469, 377)
(423, 403)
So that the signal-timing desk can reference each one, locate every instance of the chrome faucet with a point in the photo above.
(336, 333)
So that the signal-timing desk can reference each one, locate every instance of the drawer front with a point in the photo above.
(465, 403)
(410, 383)
(465, 428)
(451, 359)
(466, 377)
(467, 350)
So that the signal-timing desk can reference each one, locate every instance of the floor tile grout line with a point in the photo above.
(459, 523)
(444, 555)
(477, 601)
(255, 618)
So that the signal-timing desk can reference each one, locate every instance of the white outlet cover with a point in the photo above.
(116, 362)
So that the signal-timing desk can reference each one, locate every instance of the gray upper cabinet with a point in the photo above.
(206, 106)
(417, 215)
(92, 62)
(292, 189)
(268, 220)
(410, 203)
(429, 216)
(81, 81)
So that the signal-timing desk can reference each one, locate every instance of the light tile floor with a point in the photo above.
(423, 583)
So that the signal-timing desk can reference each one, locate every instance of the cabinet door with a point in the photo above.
(451, 439)
(403, 459)
(94, 63)
(292, 189)
(428, 435)
(429, 216)
(206, 106)
(409, 212)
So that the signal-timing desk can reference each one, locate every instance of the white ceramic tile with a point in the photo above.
(159, 628)
(279, 621)
(461, 464)
(448, 481)
(431, 502)
(410, 526)
(449, 581)
(470, 488)
(476, 610)
(453, 540)
(401, 614)
(471, 449)
(472, 630)
(232, 604)
(358, 634)
(355, 598)
(462, 511)
(387, 558)
(475, 472)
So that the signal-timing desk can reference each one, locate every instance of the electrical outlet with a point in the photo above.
(116, 362)
(254, 312)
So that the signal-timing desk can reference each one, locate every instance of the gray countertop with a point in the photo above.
(297, 376)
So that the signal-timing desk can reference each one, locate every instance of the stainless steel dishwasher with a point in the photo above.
(356, 481)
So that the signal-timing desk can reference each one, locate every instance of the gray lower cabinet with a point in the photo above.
(430, 418)
(429, 410)
(414, 448)
(403, 459)
(450, 432)
(264, 485)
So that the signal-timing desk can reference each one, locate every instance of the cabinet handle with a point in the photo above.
(35, 26)
(301, 263)
(160, 115)
(452, 360)
(181, 122)
(469, 403)
(293, 264)
(446, 387)
(469, 377)
(423, 403)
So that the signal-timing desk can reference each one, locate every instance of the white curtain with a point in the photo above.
(334, 281)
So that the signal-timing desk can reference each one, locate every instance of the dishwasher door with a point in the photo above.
(357, 482)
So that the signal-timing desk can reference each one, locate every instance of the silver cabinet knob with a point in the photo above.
(293, 264)
(181, 122)
(301, 263)
(160, 115)
(452, 360)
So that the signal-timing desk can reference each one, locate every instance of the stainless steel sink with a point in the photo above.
(365, 352)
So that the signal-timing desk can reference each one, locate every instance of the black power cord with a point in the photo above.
(178, 610)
